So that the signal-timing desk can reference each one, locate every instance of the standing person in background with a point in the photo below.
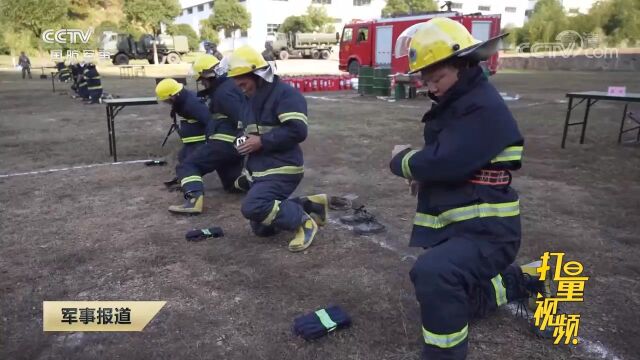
(25, 63)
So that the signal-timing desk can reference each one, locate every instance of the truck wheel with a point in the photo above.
(121, 59)
(325, 54)
(150, 60)
(315, 54)
(284, 55)
(354, 67)
(173, 58)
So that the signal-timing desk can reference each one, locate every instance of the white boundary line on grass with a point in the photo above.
(72, 168)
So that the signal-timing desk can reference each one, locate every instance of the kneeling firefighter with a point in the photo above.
(229, 108)
(468, 216)
(195, 117)
(275, 160)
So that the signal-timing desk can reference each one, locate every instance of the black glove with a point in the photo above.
(320, 323)
(203, 234)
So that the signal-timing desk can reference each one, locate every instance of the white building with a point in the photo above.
(267, 15)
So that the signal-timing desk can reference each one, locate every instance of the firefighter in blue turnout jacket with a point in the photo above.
(228, 107)
(94, 84)
(275, 161)
(468, 216)
(193, 113)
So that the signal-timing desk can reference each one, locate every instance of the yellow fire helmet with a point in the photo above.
(245, 60)
(440, 39)
(167, 88)
(204, 65)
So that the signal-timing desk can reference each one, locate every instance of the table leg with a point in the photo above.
(586, 116)
(109, 129)
(566, 122)
(53, 84)
(624, 117)
(113, 138)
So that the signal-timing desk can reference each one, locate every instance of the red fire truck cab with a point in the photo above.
(372, 43)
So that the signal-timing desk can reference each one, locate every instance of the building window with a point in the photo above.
(211, 5)
(190, 10)
(510, 9)
(528, 13)
(201, 8)
(456, 5)
(244, 33)
(324, 2)
(484, 8)
(361, 2)
(272, 28)
(347, 35)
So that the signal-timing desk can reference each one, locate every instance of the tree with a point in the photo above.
(621, 21)
(404, 7)
(186, 30)
(318, 17)
(395, 7)
(148, 14)
(34, 16)
(208, 33)
(296, 24)
(230, 16)
(547, 21)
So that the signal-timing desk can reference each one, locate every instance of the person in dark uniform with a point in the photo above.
(94, 83)
(25, 63)
(194, 118)
(468, 216)
(229, 108)
(274, 157)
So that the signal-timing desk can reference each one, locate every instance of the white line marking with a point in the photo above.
(73, 168)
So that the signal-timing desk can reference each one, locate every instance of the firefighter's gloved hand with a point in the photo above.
(319, 323)
(203, 234)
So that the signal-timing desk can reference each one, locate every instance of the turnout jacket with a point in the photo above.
(195, 117)
(280, 118)
(230, 110)
(92, 78)
(468, 130)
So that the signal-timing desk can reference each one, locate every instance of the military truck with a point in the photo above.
(313, 45)
(123, 47)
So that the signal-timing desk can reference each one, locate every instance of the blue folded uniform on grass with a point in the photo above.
(321, 322)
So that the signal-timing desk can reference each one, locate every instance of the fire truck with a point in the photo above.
(372, 43)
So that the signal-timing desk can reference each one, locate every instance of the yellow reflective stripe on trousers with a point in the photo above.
(501, 291)
(292, 116)
(220, 116)
(189, 179)
(512, 153)
(468, 212)
(262, 129)
(406, 171)
(272, 215)
(326, 320)
(94, 87)
(190, 121)
(192, 139)
(286, 170)
(445, 341)
(223, 137)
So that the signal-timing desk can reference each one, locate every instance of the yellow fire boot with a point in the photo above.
(193, 204)
(305, 234)
(317, 206)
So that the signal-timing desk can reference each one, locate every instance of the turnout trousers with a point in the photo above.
(212, 156)
(268, 207)
(457, 280)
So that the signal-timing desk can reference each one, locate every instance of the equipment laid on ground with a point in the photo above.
(203, 234)
(363, 222)
(122, 47)
(321, 322)
(313, 45)
(372, 43)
